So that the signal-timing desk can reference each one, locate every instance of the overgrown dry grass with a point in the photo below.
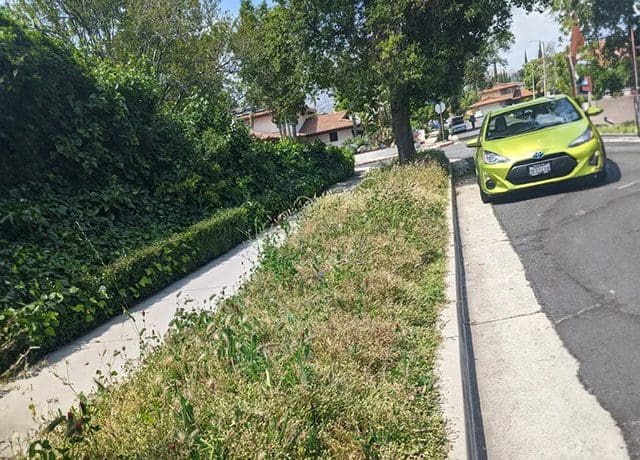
(627, 127)
(328, 352)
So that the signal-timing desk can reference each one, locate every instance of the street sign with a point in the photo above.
(440, 108)
(636, 8)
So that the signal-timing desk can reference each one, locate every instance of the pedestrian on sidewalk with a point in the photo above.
(472, 119)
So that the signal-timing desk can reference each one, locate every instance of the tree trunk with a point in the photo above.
(402, 132)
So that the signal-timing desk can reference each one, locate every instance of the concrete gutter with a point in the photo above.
(449, 359)
(533, 403)
(621, 138)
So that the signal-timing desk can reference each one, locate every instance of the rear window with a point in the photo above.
(532, 118)
(457, 120)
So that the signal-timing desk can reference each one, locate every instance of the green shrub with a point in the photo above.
(435, 155)
(96, 173)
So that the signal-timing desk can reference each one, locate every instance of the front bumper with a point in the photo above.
(584, 160)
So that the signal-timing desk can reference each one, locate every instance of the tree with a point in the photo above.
(185, 42)
(412, 49)
(597, 17)
(271, 68)
(475, 74)
(91, 25)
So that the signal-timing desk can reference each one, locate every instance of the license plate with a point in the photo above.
(539, 169)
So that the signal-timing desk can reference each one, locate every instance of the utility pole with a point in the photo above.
(533, 77)
(636, 102)
(544, 65)
(544, 69)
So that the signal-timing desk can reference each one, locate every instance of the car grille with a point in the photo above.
(561, 165)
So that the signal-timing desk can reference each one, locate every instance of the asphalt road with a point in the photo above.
(459, 150)
(580, 246)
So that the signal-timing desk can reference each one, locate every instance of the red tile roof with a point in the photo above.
(516, 96)
(501, 86)
(258, 114)
(266, 136)
(325, 123)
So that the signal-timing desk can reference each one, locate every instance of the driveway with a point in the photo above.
(580, 248)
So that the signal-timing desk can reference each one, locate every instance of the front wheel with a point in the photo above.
(484, 197)
(600, 178)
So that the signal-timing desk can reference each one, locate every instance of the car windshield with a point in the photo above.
(532, 118)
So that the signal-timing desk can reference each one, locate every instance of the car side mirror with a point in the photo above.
(474, 143)
(593, 111)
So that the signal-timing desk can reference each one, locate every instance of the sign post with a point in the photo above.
(440, 108)
(634, 56)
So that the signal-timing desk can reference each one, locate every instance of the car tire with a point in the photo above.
(600, 178)
(485, 197)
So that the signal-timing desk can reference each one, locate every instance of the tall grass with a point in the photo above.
(628, 127)
(328, 352)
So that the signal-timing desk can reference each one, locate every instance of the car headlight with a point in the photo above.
(584, 137)
(491, 158)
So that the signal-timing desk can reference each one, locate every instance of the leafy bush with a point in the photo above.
(358, 144)
(435, 155)
(328, 352)
(106, 197)
(446, 135)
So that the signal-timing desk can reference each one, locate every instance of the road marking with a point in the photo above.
(629, 185)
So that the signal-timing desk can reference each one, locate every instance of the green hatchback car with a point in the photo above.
(547, 140)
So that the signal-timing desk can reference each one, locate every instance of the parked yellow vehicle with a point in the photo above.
(537, 142)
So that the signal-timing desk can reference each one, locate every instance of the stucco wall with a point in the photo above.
(265, 125)
(343, 135)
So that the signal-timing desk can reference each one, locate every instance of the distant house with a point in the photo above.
(500, 96)
(331, 128)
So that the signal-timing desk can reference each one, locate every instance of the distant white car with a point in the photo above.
(478, 114)
(457, 125)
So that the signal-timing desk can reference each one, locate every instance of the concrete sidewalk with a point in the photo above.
(116, 345)
(533, 404)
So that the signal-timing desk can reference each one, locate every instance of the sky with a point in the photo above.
(528, 28)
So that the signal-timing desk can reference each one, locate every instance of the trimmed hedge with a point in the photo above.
(59, 316)
(156, 266)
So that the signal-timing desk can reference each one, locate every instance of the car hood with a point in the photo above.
(554, 139)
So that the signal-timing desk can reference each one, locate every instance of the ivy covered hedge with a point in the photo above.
(107, 194)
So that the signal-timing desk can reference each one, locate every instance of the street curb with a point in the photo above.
(449, 367)
(474, 428)
(621, 138)
(378, 160)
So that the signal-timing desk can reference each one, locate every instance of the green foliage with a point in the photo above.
(436, 156)
(329, 351)
(411, 51)
(468, 99)
(628, 127)
(609, 72)
(476, 73)
(107, 197)
(186, 42)
(597, 18)
(269, 52)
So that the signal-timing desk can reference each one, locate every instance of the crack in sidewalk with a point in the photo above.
(499, 320)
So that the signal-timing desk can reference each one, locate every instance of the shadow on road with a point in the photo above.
(575, 185)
